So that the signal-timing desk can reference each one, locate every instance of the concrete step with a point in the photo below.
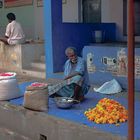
(34, 72)
(42, 58)
(38, 65)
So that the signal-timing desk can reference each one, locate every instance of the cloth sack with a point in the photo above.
(36, 98)
(9, 88)
(110, 87)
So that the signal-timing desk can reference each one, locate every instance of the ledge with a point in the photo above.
(20, 56)
(114, 44)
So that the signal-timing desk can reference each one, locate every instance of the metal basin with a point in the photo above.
(64, 102)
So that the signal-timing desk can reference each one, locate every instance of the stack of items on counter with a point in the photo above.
(107, 111)
(36, 97)
(9, 88)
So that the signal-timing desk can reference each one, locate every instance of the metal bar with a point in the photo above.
(131, 69)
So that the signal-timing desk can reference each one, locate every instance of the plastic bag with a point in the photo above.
(110, 87)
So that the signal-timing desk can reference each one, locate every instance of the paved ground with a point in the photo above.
(6, 134)
(24, 78)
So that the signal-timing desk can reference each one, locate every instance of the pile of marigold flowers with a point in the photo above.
(107, 111)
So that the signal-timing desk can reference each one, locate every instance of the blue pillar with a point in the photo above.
(48, 37)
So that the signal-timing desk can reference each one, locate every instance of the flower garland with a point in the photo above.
(107, 111)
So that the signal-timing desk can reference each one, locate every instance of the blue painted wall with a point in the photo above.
(61, 35)
(102, 71)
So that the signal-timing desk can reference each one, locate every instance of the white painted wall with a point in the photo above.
(39, 22)
(112, 11)
(70, 11)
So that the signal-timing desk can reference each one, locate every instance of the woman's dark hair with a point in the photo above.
(11, 16)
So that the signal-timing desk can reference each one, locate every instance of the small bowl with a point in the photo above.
(64, 102)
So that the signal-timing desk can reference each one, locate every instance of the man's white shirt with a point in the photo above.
(14, 33)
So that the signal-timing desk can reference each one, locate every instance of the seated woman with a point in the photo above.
(75, 83)
(14, 33)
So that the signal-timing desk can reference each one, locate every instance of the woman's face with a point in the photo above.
(73, 57)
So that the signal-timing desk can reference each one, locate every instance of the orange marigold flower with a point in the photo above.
(107, 111)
